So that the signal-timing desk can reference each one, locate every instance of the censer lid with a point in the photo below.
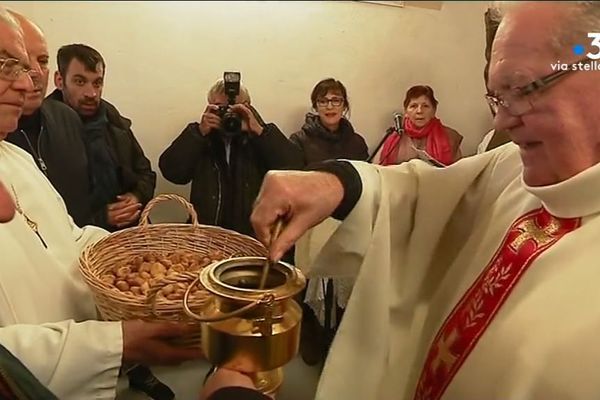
(239, 278)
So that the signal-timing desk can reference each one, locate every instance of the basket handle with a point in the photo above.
(164, 197)
(267, 299)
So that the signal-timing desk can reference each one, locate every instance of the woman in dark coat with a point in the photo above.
(326, 133)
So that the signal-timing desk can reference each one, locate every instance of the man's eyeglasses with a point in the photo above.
(335, 102)
(11, 69)
(517, 101)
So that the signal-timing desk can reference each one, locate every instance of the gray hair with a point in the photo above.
(8, 19)
(495, 13)
(219, 88)
(20, 19)
(582, 17)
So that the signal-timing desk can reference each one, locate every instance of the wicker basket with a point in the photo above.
(117, 247)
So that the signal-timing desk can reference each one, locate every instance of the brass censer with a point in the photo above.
(251, 330)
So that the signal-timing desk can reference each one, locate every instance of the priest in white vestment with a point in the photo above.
(477, 281)
(47, 315)
(40, 282)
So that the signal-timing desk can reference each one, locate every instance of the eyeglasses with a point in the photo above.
(335, 102)
(11, 69)
(517, 102)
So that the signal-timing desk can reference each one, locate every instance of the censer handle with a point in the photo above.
(266, 299)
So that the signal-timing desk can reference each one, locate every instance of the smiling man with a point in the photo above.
(480, 280)
(546, 113)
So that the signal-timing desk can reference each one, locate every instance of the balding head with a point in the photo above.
(27, 26)
(15, 83)
(557, 134)
(566, 22)
(37, 48)
(7, 18)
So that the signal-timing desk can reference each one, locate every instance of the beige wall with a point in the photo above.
(162, 57)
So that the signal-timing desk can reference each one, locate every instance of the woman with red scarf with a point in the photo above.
(424, 135)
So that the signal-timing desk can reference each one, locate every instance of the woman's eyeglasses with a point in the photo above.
(335, 102)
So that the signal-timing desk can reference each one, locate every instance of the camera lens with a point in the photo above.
(231, 123)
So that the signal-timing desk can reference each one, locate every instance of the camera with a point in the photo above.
(231, 123)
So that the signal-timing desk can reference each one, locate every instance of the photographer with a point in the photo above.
(226, 156)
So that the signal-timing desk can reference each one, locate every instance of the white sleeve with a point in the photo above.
(407, 205)
(75, 361)
(87, 235)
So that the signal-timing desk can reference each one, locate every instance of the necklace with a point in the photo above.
(32, 224)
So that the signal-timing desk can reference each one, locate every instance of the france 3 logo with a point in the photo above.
(587, 63)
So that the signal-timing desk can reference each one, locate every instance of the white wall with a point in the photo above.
(162, 57)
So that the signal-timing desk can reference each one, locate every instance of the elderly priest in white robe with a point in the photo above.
(477, 281)
(46, 312)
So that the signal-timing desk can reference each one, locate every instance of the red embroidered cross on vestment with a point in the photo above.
(528, 237)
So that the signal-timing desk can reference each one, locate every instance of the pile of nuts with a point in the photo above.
(138, 274)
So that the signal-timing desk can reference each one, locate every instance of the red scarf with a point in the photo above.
(438, 143)
(391, 147)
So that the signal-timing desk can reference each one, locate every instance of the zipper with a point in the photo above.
(37, 154)
(39, 151)
(218, 213)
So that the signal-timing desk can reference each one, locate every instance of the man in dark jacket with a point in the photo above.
(226, 168)
(51, 132)
(121, 176)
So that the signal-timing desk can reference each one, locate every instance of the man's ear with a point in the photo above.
(58, 80)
